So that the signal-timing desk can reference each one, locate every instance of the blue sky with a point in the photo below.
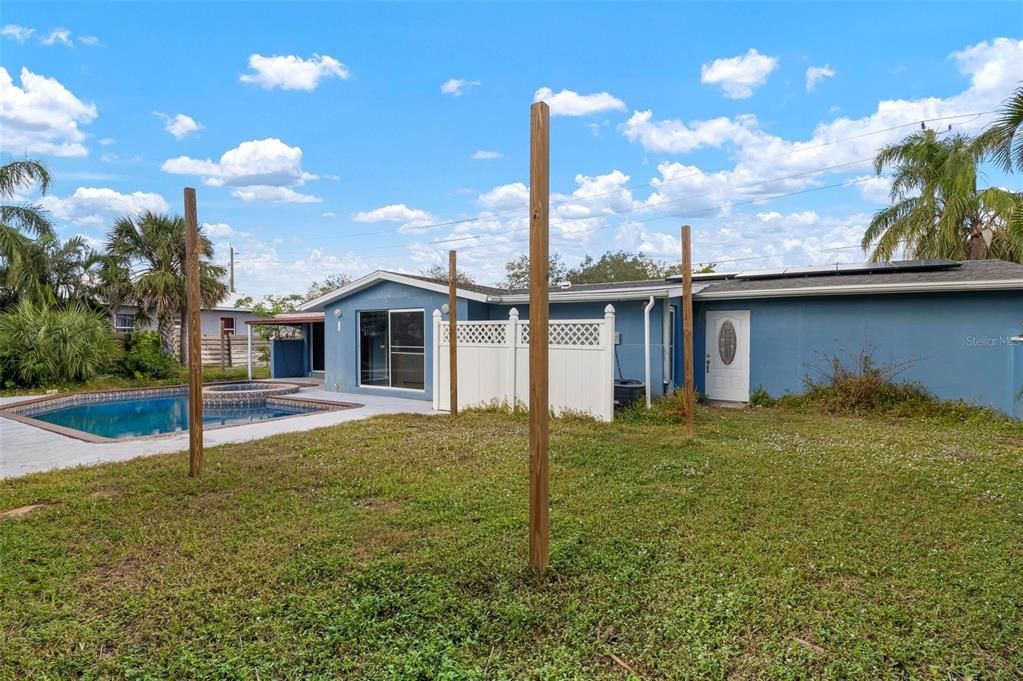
(321, 137)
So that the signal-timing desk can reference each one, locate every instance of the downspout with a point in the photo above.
(646, 348)
(666, 332)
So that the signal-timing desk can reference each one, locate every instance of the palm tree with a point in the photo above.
(937, 210)
(1004, 138)
(20, 222)
(146, 267)
(55, 272)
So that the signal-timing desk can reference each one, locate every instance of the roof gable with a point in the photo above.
(396, 277)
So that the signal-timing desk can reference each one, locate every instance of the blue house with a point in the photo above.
(955, 326)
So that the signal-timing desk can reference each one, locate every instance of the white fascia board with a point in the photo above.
(381, 275)
(866, 289)
(569, 296)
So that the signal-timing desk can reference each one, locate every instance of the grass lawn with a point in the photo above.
(779, 544)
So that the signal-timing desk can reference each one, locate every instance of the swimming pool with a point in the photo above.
(143, 413)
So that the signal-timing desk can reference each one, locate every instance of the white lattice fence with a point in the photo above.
(493, 364)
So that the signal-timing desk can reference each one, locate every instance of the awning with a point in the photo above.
(288, 319)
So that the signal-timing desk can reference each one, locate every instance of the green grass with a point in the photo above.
(778, 545)
(210, 373)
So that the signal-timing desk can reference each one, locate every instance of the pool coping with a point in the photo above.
(10, 412)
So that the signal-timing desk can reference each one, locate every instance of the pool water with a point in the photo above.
(124, 418)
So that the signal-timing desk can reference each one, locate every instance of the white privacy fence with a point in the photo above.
(493, 364)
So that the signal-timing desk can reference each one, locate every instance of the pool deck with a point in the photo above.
(26, 449)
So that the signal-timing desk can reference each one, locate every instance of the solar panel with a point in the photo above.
(850, 268)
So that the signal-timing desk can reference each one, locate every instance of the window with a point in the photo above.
(727, 342)
(124, 322)
(226, 325)
(392, 348)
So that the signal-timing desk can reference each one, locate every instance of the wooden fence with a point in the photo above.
(231, 351)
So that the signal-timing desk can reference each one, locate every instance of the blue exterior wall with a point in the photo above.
(958, 342)
(342, 347)
(628, 322)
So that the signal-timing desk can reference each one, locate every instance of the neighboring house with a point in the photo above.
(226, 316)
(955, 323)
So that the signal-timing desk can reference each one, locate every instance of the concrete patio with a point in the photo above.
(26, 449)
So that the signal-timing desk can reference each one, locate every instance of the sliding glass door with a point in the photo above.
(392, 348)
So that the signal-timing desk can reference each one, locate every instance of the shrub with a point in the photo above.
(761, 398)
(42, 346)
(857, 384)
(670, 408)
(146, 358)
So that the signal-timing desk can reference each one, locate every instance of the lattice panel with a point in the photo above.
(475, 334)
(567, 333)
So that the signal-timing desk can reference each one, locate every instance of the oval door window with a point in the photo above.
(726, 342)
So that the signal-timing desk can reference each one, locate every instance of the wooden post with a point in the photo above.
(195, 453)
(539, 375)
(452, 332)
(687, 330)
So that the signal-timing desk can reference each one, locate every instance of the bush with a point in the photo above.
(670, 408)
(44, 346)
(146, 358)
(761, 398)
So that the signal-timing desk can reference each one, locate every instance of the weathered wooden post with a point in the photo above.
(539, 375)
(195, 452)
(687, 330)
(452, 331)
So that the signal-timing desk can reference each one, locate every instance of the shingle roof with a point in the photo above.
(971, 271)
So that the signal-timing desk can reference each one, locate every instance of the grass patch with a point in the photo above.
(778, 545)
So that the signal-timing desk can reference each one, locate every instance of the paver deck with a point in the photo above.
(26, 449)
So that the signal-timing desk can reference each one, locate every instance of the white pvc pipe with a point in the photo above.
(646, 348)
(249, 343)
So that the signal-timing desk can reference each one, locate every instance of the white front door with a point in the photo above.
(727, 356)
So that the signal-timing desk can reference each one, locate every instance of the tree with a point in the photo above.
(1003, 139)
(937, 210)
(440, 273)
(618, 266)
(517, 271)
(54, 272)
(146, 267)
(332, 283)
(21, 222)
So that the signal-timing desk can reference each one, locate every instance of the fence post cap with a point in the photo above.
(513, 313)
(436, 314)
(610, 309)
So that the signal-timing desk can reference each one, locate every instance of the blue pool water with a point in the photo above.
(153, 416)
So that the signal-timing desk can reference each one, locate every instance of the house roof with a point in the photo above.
(971, 275)
(288, 318)
(875, 278)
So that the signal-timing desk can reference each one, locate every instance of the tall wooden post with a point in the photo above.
(687, 329)
(195, 453)
(452, 331)
(539, 375)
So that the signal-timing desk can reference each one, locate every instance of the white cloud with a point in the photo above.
(484, 155)
(217, 230)
(506, 197)
(263, 270)
(89, 40)
(675, 137)
(739, 76)
(413, 219)
(293, 73)
(457, 86)
(106, 142)
(58, 35)
(327, 214)
(992, 67)
(875, 189)
(569, 103)
(179, 125)
(262, 170)
(42, 116)
(17, 33)
(815, 74)
(99, 206)
(268, 194)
